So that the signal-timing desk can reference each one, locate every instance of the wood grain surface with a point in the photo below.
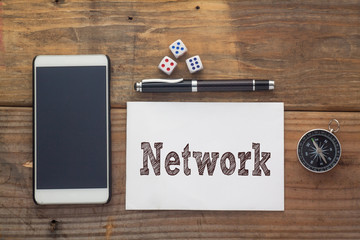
(316, 205)
(310, 48)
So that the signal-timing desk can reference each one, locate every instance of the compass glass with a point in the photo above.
(319, 150)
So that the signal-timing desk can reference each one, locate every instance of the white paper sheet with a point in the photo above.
(180, 132)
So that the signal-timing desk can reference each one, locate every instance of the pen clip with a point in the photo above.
(156, 80)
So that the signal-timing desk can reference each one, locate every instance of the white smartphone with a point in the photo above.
(71, 129)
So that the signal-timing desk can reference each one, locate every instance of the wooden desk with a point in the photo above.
(311, 50)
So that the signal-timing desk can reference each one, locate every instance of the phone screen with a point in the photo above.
(71, 127)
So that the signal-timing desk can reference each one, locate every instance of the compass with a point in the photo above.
(319, 150)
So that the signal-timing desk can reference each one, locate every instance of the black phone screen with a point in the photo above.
(71, 136)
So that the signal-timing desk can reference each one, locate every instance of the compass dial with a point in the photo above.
(319, 150)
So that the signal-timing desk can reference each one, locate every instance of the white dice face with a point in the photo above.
(167, 65)
(194, 64)
(178, 48)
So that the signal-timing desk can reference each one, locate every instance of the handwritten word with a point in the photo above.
(203, 161)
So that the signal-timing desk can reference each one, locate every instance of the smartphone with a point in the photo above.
(71, 129)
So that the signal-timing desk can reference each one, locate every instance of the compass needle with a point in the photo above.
(322, 156)
(318, 150)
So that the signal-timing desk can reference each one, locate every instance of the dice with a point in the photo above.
(167, 65)
(194, 64)
(178, 48)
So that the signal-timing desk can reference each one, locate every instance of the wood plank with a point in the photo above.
(316, 205)
(311, 49)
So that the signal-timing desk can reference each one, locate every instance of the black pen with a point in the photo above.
(189, 85)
